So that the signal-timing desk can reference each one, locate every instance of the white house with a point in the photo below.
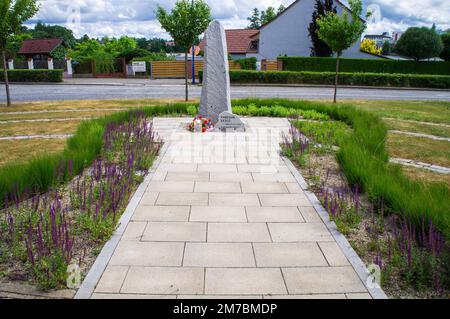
(380, 39)
(286, 35)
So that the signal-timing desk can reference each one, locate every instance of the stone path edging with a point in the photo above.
(347, 249)
(93, 277)
(429, 136)
(64, 110)
(30, 137)
(427, 166)
(418, 122)
(47, 120)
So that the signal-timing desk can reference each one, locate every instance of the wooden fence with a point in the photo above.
(175, 69)
(269, 65)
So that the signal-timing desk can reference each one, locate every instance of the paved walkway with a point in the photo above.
(224, 216)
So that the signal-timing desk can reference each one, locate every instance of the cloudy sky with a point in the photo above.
(99, 18)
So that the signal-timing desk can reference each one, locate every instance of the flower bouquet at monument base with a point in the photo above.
(201, 125)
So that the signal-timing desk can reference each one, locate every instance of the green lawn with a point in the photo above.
(407, 126)
(419, 149)
(426, 111)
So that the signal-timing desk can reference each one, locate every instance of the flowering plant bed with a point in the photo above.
(413, 259)
(52, 239)
(201, 125)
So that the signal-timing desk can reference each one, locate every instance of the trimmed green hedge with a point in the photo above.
(247, 63)
(315, 64)
(38, 75)
(327, 78)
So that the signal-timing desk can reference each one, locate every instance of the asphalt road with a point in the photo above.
(102, 91)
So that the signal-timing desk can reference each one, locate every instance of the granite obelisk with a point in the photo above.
(216, 77)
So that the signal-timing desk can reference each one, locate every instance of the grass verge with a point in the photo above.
(42, 172)
(419, 149)
(25, 150)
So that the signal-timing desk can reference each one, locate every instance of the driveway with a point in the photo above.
(98, 89)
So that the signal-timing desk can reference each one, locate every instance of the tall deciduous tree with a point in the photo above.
(320, 48)
(268, 15)
(45, 31)
(259, 18)
(185, 23)
(420, 43)
(446, 41)
(281, 8)
(12, 14)
(254, 21)
(340, 32)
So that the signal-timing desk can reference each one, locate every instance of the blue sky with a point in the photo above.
(99, 18)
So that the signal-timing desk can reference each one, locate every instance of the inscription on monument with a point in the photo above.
(228, 121)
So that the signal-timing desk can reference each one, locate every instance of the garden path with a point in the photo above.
(225, 216)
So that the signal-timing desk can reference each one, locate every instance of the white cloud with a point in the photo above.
(137, 17)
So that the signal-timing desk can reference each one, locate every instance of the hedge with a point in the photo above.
(247, 63)
(315, 64)
(38, 75)
(327, 78)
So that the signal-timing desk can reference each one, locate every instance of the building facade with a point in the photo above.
(288, 35)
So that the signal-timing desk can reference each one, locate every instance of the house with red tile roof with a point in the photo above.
(241, 43)
(40, 49)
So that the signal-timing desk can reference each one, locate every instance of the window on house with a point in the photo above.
(254, 46)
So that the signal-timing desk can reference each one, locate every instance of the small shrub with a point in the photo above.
(247, 63)
(192, 110)
(328, 134)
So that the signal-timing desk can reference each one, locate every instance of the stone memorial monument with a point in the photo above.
(215, 102)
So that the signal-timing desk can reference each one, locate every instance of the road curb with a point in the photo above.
(240, 85)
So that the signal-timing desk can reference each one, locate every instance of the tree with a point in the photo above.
(130, 54)
(420, 43)
(340, 32)
(12, 14)
(116, 46)
(185, 23)
(445, 55)
(370, 46)
(320, 48)
(268, 15)
(45, 31)
(257, 19)
(387, 48)
(14, 45)
(281, 8)
(254, 20)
